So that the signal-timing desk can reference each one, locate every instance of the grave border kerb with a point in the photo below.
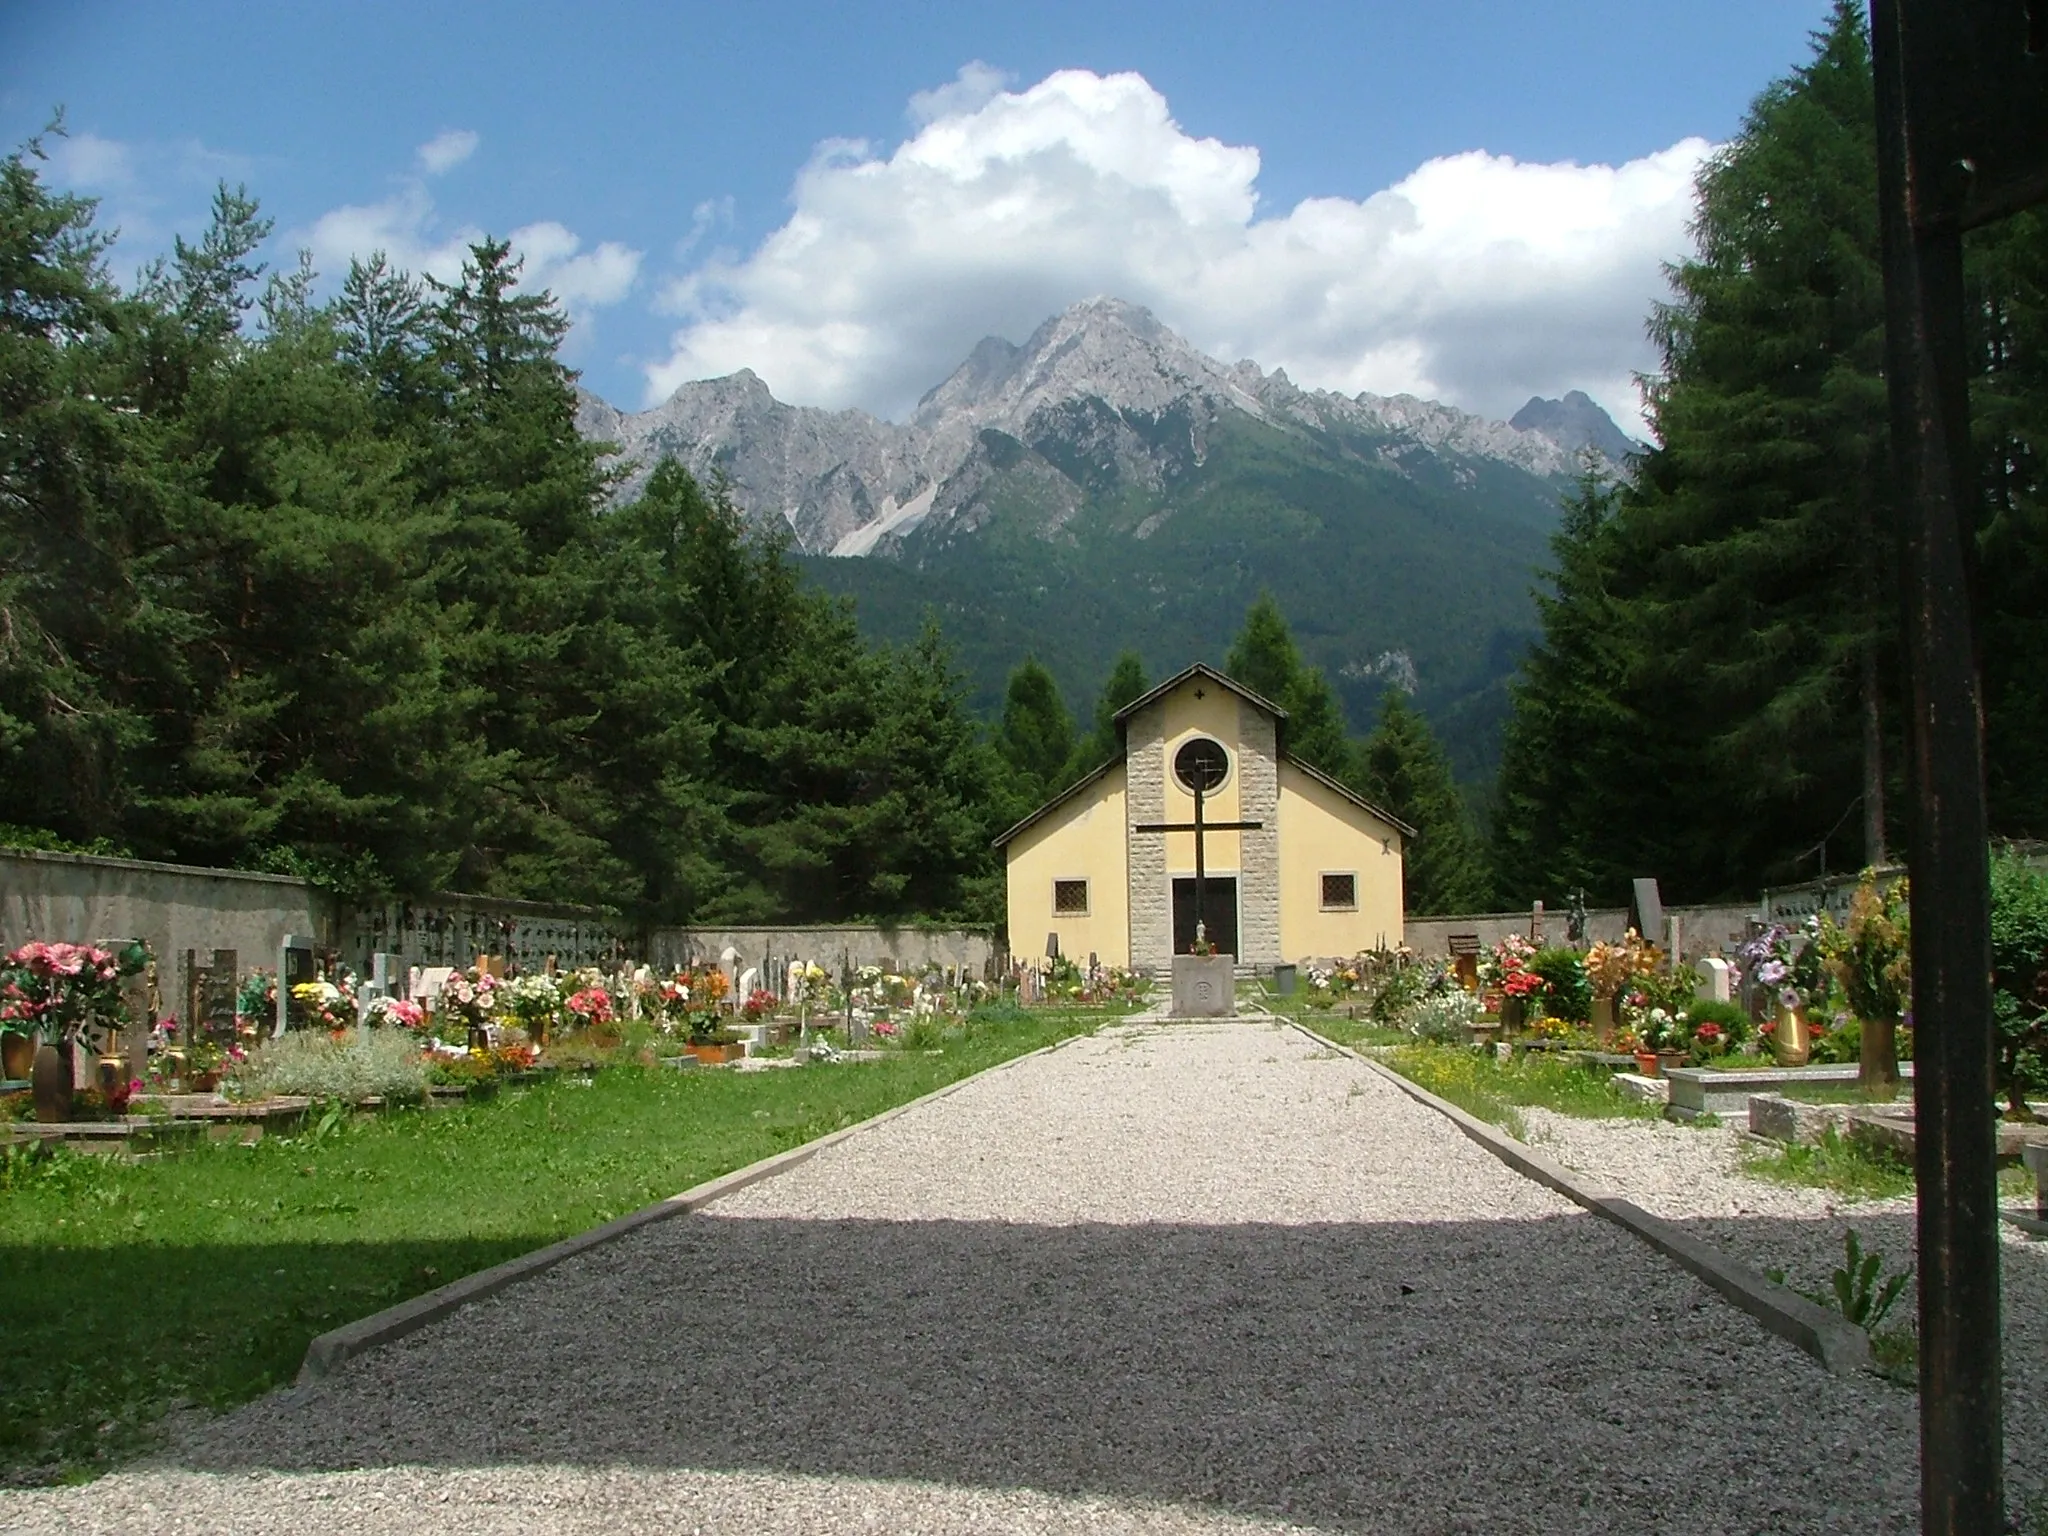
(1838, 1345)
(327, 1352)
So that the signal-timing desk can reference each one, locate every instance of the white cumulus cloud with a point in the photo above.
(445, 151)
(1477, 279)
(410, 231)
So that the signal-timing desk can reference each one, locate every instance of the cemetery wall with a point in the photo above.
(84, 898)
(75, 898)
(901, 949)
(1703, 930)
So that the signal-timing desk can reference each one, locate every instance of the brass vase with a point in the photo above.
(1791, 1044)
(17, 1055)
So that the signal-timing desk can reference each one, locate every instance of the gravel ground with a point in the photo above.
(1161, 1280)
(1696, 1177)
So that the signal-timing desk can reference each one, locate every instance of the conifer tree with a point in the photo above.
(1036, 737)
(1125, 684)
(1405, 771)
(1266, 660)
(1709, 704)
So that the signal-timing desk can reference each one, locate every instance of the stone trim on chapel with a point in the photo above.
(1305, 870)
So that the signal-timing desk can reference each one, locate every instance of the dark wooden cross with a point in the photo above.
(1202, 766)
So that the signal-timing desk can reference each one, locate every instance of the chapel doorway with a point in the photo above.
(1220, 914)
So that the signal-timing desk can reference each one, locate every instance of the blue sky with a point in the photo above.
(846, 196)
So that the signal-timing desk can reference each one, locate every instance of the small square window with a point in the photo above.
(1340, 893)
(1070, 898)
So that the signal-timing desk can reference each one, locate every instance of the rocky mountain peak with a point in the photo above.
(1575, 423)
(1103, 349)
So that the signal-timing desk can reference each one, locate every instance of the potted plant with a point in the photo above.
(54, 991)
(1871, 956)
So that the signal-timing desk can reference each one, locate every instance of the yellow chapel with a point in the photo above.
(1294, 866)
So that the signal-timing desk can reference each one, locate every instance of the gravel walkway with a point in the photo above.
(1696, 1177)
(1163, 1280)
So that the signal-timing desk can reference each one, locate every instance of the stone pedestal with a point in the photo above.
(1204, 987)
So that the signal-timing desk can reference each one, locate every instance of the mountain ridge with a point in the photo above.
(845, 482)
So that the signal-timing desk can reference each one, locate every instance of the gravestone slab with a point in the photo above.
(1204, 987)
(1715, 984)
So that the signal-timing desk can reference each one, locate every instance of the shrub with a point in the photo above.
(1445, 1018)
(363, 1063)
(2019, 978)
(1567, 993)
(1715, 1028)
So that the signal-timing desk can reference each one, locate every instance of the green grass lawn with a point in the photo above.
(1328, 1022)
(1496, 1091)
(128, 1288)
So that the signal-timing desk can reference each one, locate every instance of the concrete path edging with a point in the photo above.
(327, 1351)
(1837, 1344)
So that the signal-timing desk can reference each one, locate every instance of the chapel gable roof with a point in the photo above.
(1309, 770)
(1203, 670)
(1057, 801)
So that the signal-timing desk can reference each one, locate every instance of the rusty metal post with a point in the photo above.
(1962, 1445)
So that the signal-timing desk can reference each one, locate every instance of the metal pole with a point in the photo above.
(1962, 1452)
(1201, 871)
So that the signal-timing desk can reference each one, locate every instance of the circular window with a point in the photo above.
(1201, 764)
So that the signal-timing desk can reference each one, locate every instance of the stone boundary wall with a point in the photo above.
(78, 898)
(1703, 930)
(906, 949)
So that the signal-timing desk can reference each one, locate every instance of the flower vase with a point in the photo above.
(1790, 1043)
(17, 1055)
(1646, 1064)
(1878, 1067)
(51, 1079)
(1513, 1015)
(1668, 1061)
(1603, 1021)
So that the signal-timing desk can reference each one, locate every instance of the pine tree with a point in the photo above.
(1717, 713)
(1404, 770)
(1036, 737)
(1125, 684)
(85, 498)
(1266, 660)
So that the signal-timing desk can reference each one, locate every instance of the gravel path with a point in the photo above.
(1696, 1177)
(1162, 1280)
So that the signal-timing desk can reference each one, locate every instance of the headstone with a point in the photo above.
(294, 965)
(1052, 946)
(750, 982)
(1714, 985)
(387, 971)
(1535, 924)
(1646, 910)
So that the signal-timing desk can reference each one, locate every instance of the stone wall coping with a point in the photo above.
(108, 861)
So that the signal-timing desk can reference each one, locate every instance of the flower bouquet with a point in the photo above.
(327, 1006)
(396, 1013)
(1871, 956)
(533, 1002)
